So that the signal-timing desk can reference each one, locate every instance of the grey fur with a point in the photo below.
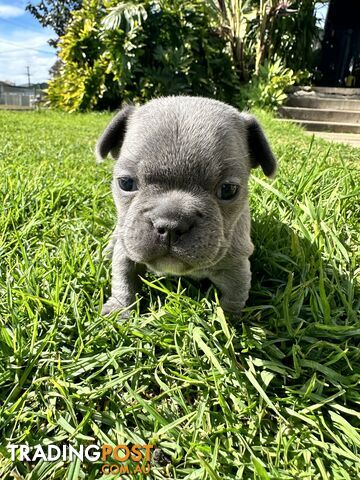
(180, 149)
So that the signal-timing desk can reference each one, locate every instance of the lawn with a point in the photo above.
(273, 396)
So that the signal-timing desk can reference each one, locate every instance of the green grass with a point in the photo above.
(274, 396)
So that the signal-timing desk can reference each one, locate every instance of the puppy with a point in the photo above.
(180, 187)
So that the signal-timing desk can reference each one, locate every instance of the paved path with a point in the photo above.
(347, 138)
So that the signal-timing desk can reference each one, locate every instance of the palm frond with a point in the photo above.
(133, 13)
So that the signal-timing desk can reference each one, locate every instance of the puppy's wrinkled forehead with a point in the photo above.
(185, 139)
(183, 146)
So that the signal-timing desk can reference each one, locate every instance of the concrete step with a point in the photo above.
(317, 126)
(332, 92)
(321, 114)
(337, 91)
(314, 101)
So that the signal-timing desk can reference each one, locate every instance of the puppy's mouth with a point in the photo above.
(169, 264)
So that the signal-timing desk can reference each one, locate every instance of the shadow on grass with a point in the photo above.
(287, 271)
(302, 313)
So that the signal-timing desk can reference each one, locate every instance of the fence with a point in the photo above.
(21, 97)
(15, 99)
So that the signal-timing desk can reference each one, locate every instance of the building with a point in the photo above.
(340, 55)
(21, 97)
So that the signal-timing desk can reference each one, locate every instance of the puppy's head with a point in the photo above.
(180, 179)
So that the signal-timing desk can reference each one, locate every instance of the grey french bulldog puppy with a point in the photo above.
(180, 186)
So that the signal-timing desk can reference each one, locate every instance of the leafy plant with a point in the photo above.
(136, 51)
(292, 34)
(257, 30)
(235, 18)
(133, 51)
(269, 88)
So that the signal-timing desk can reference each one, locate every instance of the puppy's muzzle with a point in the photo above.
(170, 231)
(171, 226)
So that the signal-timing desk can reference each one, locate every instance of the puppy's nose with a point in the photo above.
(170, 231)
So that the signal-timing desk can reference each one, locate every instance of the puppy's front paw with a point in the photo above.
(232, 308)
(112, 305)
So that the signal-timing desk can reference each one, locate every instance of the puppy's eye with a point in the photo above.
(127, 184)
(227, 191)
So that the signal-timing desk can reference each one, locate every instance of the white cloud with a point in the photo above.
(9, 11)
(23, 49)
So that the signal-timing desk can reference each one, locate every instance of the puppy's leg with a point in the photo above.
(234, 285)
(125, 280)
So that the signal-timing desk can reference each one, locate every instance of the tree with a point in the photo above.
(55, 14)
(55, 69)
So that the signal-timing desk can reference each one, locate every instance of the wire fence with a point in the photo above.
(20, 100)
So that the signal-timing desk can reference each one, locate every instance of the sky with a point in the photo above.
(23, 42)
(321, 12)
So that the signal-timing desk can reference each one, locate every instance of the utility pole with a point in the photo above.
(28, 74)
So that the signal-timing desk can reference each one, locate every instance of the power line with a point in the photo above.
(26, 48)
(5, 52)
(24, 27)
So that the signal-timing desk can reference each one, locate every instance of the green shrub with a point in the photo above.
(114, 52)
(269, 89)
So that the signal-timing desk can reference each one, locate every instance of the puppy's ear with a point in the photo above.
(259, 148)
(113, 136)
